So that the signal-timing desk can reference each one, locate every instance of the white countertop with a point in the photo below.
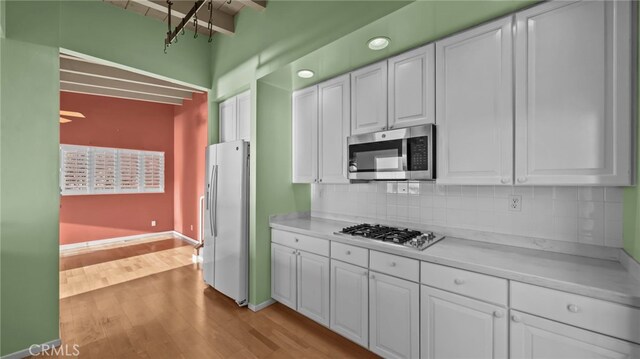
(597, 278)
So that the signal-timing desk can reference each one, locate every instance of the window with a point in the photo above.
(101, 170)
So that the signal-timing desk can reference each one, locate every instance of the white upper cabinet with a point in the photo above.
(369, 99)
(334, 128)
(228, 122)
(533, 337)
(411, 92)
(244, 116)
(305, 135)
(474, 106)
(453, 326)
(235, 118)
(573, 93)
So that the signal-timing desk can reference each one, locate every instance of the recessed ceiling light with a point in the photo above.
(378, 43)
(305, 74)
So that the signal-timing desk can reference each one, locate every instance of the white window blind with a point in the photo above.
(101, 170)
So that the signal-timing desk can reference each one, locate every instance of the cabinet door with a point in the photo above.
(228, 121)
(453, 326)
(474, 105)
(394, 316)
(412, 88)
(283, 275)
(573, 93)
(313, 286)
(305, 135)
(244, 116)
(350, 301)
(533, 337)
(334, 128)
(369, 99)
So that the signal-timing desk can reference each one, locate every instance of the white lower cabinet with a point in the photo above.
(533, 337)
(454, 326)
(350, 301)
(393, 316)
(313, 286)
(283, 275)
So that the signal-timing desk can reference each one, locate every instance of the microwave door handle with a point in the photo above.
(405, 166)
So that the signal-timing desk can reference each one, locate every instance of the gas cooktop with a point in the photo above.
(400, 236)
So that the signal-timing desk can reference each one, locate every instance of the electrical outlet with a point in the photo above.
(153, 223)
(515, 203)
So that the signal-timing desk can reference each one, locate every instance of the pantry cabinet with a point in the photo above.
(369, 99)
(411, 92)
(532, 337)
(394, 316)
(574, 93)
(305, 135)
(454, 326)
(474, 106)
(350, 301)
(334, 129)
(235, 118)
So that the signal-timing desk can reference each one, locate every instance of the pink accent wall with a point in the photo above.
(189, 140)
(120, 123)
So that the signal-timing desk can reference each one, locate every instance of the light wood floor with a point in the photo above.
(173, 314)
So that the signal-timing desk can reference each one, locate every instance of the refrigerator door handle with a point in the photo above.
(210, 199)
(214, 206)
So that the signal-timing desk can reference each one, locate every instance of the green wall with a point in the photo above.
(29, 67)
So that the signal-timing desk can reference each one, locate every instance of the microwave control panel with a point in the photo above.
(418, 153)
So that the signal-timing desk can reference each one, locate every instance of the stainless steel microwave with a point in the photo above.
(402, 154)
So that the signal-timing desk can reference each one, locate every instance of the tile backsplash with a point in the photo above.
(590, 215)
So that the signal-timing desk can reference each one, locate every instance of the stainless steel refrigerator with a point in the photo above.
(226, 223)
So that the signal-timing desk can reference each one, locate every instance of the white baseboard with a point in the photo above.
(102, 242)
(258, 307)
(33, 350)
(186, 238)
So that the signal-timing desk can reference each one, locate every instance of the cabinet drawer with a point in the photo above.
(475, 285)
(593, 314)
(350, 254)
(395, 265)
(301, 242)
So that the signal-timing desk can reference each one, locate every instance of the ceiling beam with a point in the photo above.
(99, 91)
(115, 84)
(254, 4)
(97, 70)
(221, 21)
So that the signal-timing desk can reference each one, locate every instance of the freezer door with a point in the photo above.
(230, 222)
(208, 254)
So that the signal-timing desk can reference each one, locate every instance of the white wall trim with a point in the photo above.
(258, 307)
(630, 264)
(25, 352)
(102, 242)
(186, 238)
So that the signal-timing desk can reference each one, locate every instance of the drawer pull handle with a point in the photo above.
(498, 314)
(393, 264)
(372, 276)
(458, 281)
(297, 240)
(573, 308)
(515, 318)
(522, 179)
(294, 252)
(504, 180)
(348, 252)
(365, 273)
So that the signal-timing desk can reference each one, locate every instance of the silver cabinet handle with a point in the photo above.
(372, 276)
(573, 308)
(297, 240)
(348, 252)
(505, 180)
(522, 179)
(498, 314)
(365, 273)
(320, 180)
(393, 264)
(294, 252)
(515, 318)
(458, 281)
